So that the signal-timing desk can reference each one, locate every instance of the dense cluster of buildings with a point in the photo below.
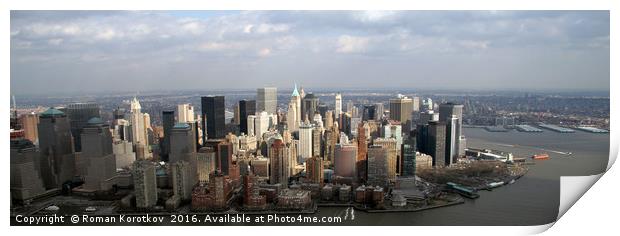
(268, 155)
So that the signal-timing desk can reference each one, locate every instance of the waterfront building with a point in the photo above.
(57, 160)
(392, 158)
(145, 184)
(447, 111)
(378, 165)
(408, 163)
(97, 157)
(294, 199)
(267, 100)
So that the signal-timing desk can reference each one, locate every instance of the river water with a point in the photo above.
(532, 200)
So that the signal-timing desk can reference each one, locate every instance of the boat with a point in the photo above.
(52, 208)
(462, 190)
(543, 156)
(90, 209)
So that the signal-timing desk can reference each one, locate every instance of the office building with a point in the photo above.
(309, 106)
(408, 163)
(29, 124)
(446, 112)
(267, 100)
(390, 145)
(401, 109)
(26, 181)
(97, 156)
(57, 160)
(279, 162)
(362, 151)
(183, 147)
(168, 124)
(314, 170)
(436, 143)
(213, 117)
(246, 108)
(377, 166)
(138, 130)
(345, 160)
(145, 184)
(185, 113)
(182, 180)
(305, 141)
(123, 153)
(79, 114)
(338, 105)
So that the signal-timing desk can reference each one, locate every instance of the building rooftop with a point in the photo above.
(52, 112)
(95, 121)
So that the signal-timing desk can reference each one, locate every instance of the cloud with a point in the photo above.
(233, 44)
(351, 44)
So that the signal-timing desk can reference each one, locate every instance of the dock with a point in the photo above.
(556, 128)
(528, 128)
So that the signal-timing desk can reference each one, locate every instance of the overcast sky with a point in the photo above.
(86, 51)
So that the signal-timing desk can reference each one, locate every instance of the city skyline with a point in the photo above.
(95, 51)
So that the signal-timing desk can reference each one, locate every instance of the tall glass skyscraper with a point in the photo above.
(213, 120)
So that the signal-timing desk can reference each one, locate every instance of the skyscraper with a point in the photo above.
(345, 161)
(29, 123)
(305, 141)
(279, 161)
(446, 112)
(168, 123)
(213, 117)
(436, 142)
(246, 108)
(261, 123)
(309, 106)
(26, 181)
(138, 129)
(338, 105)
(97, 155)
(401, 109)
(267, 100)
(145, 184)
(182, 145)
(392, 158)
(79, 114)
(408, 164)
(377, 166)
(362, 150)
(57, 160)
(314, 170)
(185, 113)
(369, 112)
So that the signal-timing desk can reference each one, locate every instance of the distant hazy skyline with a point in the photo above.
(88, 51)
